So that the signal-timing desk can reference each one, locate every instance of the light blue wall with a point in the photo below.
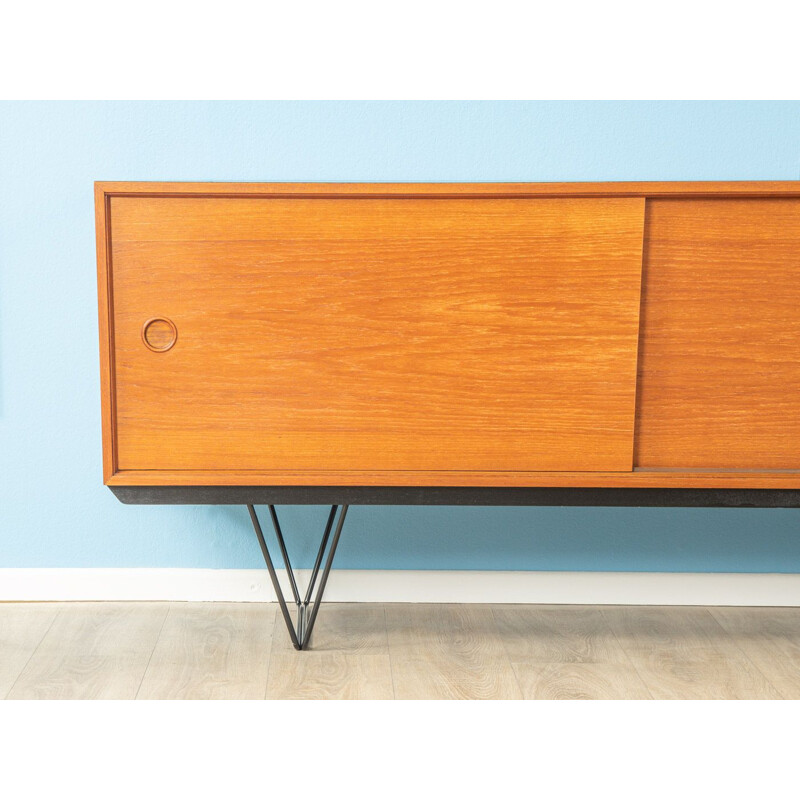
(54, 510)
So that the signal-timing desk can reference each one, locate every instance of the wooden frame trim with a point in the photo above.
(456, 190)
(697, 479)
(106, 329)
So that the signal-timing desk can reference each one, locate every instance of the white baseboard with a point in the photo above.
(401, 586)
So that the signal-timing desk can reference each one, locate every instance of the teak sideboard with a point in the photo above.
(591, 343)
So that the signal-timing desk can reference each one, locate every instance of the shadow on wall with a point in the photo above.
(511, 538)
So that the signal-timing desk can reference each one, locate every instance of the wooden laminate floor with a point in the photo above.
(385, 651)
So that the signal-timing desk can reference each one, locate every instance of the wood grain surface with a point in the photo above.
(574, 681)
(416, 343)
(92, 651)
(22, 628)
(551, 633)
(719, 377)
(330, 676)
(405, 651)
(770, 638)
(105, 324)
(449, 190)
(683, 653)
(352, 628)
(381, 334)
(710, 479)
(211, 651)
(566, 653)
(447, 652)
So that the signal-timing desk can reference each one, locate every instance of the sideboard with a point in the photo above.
(499, 343)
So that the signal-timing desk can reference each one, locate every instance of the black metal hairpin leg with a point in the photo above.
(301, 632)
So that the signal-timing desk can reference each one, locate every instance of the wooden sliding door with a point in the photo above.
(720, 353)
(375, 333)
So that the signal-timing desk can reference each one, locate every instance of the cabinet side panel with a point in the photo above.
(719, 364)
(105, 327)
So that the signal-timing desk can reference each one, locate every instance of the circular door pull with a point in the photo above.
(159, 334)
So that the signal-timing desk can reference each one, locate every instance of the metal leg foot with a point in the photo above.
(307, 611)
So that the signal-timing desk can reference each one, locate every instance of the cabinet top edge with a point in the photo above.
(453, 190)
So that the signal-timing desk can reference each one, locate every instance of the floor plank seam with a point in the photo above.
(625, 652)
(269, 655)
(510, 661)
(747, 658)
(33, 652)
(155, 645)
(388, 650)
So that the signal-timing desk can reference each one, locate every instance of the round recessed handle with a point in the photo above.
(159, 334)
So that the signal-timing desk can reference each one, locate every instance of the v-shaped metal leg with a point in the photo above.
(300, 633)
